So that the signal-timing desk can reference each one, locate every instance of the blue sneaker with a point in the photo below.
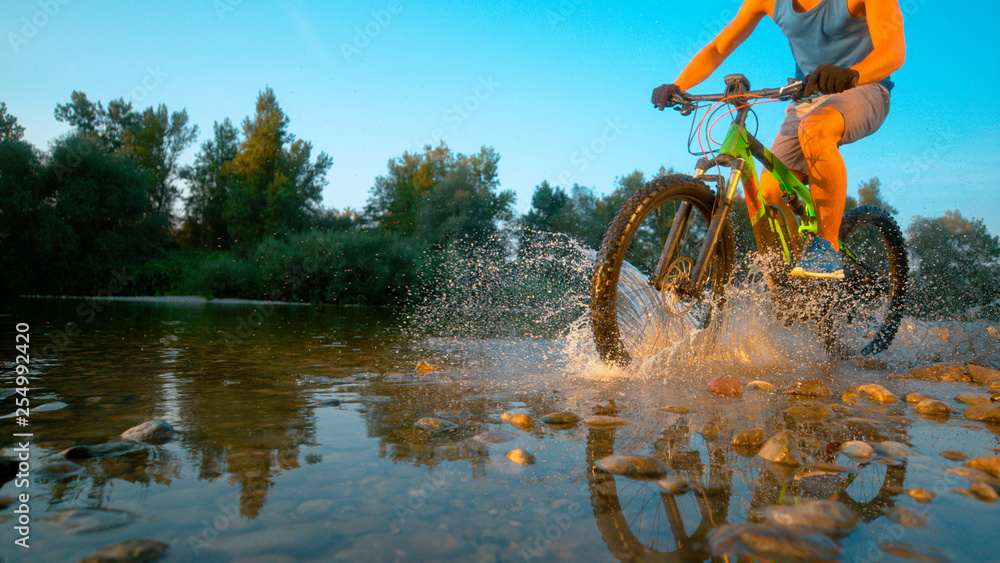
(820, 261)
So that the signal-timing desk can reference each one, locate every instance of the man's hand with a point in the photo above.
(662, 95)
(829, 79)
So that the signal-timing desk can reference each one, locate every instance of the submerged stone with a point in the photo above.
(895, 450)
(969, 473)
(561, 418)
(983, 375)
(150, 432)
(781, 449)
(985, 412)
(101, 450)
(932, 406)
(923, 553)
(984, 492)
(518, 420)
(916, 398)
(857, 450)
(59, 469)
(86, 520)
(771, 541)
(432, 424)
(954, 455)
(920, 495)
(424, 367)
(824, 468)
(878, 393)
(935, 372)
(520, 456)
(752, 437)
(674, 486)
(906, 516)
(132, 551)
(709, 431)
(676, 409)
(725, 385)
(495, 437)
(824, 514)
(600, 421)
(989, 464)
(809, 388)
(971, 399)
(810, 411)
(635, 466)
(759, 385)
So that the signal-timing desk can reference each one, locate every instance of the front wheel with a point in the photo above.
(869, 302)
(629, 317)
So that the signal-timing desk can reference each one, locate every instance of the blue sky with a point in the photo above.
(365, 81)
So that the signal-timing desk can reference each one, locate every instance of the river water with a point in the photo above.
(296, 438)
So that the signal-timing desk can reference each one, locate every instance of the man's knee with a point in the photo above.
(769, 187)
(821, 130)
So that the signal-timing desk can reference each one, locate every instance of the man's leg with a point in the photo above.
(819, 135)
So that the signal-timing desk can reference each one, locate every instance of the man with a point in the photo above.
(844, 49)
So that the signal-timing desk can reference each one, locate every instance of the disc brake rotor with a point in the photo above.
(675, 303)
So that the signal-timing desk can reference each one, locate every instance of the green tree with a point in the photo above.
(956, 267)
(209, 183)
(9, 129)
(277, 186)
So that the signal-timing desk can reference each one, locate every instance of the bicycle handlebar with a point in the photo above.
(685, 103)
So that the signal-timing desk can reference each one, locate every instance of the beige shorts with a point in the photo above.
(864, 109)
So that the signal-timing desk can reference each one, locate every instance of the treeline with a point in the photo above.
(102, 210)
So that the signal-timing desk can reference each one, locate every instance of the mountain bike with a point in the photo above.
(669, 251)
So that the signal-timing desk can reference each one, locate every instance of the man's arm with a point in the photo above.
(885, 23)
(735, 33)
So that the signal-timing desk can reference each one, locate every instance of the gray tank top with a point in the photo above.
(826, 34)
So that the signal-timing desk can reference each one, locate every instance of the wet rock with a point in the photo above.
(86, 520)
(518, 420)
(432, 424)
(808, 388)
(150, 432)
(132, 551)
(424, 367)
(989, 464)
(781, 449)
(771, 541)
(932, 406)
(935, 372)
(984, 492)
(709, 431)
(850, 397)
(971, 399)
(895, 450)
(906, 516)
(983, 375)
(960, 377)
(752, 437)
(969, 473)
(635, 466)
(674, 486)
(326, 403)
(876, 392)
(923, 553)
(676, 409)
(53, 406)
(810, 412)
(954, 455)
(920, 495)
(915, 398)
(520, 457)
(725, 385)
(495, 437)
(824, 468)
(599, 421)
(857, 450)
(758, 385)
(101, 450)
(59, 469)
(985, 412)
(561, 418)
(824, 514)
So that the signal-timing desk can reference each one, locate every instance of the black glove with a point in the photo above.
(830, 79)
(662, 95)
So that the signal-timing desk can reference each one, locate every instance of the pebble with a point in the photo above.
(495, 437)
(709, 431)
(906, 516)
(878, 393)
(971, 399)
(895, 450)
(983, 375)
(954, 455)
(857, 450)
(561, 418)
(935, 372)
(850, 397)
(86, 520)
(636, 466)
(810, 411)
(825, 514)
(915, 398)
(983, 492)
(725, 385)
(985, 412)
(518, 420)
(132, 551)
(101, 450)
(923, 553)
(600, 421)
(932, 406)
(809, 388)
(920, 495)
(781, 449)
(432, 424)
(752, 437)
(676, 409)
(520, 457)
(969, 473)
(759, 385)
(771, 541)
(150, 432)
(674, 486)
(59, 469)
(424, 367)
(989, 464)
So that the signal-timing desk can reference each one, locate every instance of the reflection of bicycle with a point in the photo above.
(672, 240)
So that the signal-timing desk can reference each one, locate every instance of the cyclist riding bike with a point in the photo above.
(844, 50)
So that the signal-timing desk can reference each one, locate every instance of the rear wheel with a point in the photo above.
(629, 317)
(869, 302)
